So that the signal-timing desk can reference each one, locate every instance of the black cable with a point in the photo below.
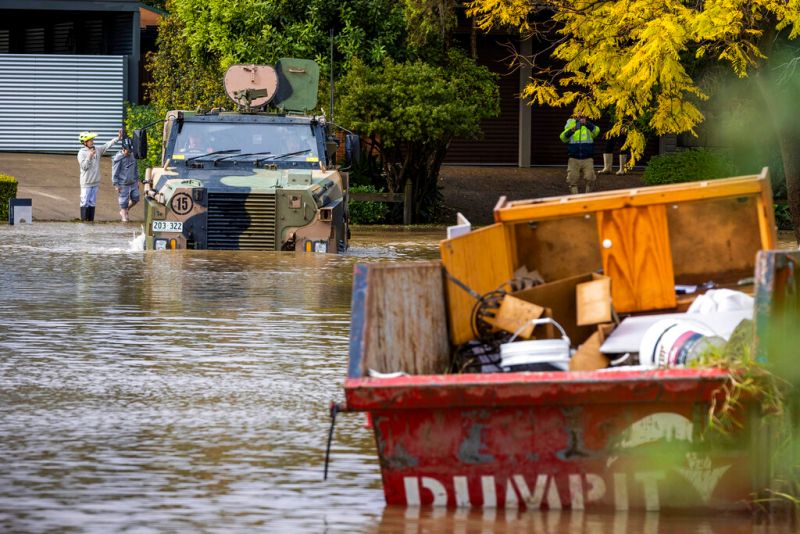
(334, 411)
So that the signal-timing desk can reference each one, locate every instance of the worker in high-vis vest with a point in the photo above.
(579, 134)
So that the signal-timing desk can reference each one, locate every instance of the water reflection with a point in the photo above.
(188, 391)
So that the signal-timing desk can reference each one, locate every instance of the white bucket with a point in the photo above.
(674, 342)
(554, 352)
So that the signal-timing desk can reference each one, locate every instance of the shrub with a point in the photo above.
(137, 117)
(8, 190)
(687, 166)
(365, 212)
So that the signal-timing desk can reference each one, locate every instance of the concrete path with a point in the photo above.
(52, 182)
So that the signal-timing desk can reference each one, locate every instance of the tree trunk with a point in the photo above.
(473, 40)
(427, 197)
(788, 135)
(418, 164)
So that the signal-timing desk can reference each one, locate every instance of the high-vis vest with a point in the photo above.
(580, 145)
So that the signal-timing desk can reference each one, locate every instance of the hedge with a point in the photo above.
(364, 212)
(687, 166)
(8, 190)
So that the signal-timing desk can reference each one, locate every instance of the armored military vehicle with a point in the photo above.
(249, 179)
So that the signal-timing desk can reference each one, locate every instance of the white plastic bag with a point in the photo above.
(721, 300)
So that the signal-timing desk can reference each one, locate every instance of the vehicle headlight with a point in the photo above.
(316, 246)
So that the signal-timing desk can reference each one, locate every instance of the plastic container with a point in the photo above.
(536, 354)
(674, 342)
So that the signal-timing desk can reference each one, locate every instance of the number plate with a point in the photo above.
(167, 226)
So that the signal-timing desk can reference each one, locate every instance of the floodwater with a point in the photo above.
(189, 391)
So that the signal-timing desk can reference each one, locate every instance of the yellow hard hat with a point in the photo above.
(85, 136)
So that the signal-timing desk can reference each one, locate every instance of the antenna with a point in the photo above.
(331, 75)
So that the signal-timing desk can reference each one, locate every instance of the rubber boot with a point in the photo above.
(83, 213)
(573, 190)
(90, 213)
(623, 164)
(608, 164)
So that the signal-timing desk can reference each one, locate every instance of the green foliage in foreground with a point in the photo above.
(137, 117)
(769, 385)
(364, 212)
(687, 166)
(8, 190)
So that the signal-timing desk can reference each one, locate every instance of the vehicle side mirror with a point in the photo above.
(331, 147)
(140, 144)
(352, 148)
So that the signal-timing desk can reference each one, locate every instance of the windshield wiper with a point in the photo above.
(213, 153)
(278, 156)
(241, 155)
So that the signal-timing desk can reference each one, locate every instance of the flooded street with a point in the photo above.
(184, 390)
(189, 391)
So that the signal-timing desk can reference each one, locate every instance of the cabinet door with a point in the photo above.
(634, 244)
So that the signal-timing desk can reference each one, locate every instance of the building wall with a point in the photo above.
(499, 144)
(46, 100)
(89, 27)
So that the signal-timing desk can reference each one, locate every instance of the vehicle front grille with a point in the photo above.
(238, 221)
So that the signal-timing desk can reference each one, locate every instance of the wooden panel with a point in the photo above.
(404, 319)
(559, 298)
(637, 257)
(514, 313)
(559, 248)
(766, 213)
(723, 249)
(593, 300)
(481, 260)
(558, 207)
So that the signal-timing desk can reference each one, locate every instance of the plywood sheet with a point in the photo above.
(559, 298)
(515, 313)
(405, 321)
(559, 248)
(636, 256)
(714, 239)
(482, 261)
(593, 301)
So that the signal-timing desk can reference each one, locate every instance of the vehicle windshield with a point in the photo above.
(199, 138)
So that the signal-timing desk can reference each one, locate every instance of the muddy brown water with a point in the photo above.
(188, 391)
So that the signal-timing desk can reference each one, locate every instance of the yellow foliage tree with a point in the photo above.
(636, 56)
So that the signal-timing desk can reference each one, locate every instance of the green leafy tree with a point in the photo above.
(403, 87)
(181, 79)
(411, 111)
(639, 55)
(158, 4)
(200, 39)
(261, 31)
(430, 23)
